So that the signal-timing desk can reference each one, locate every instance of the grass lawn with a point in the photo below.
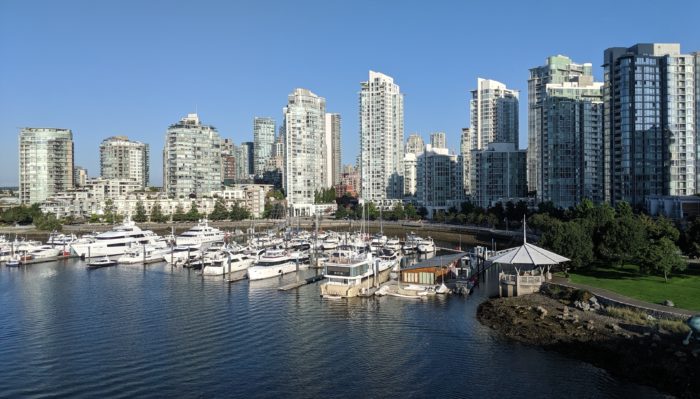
(683, 289)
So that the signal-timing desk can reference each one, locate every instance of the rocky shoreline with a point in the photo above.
(636, 352)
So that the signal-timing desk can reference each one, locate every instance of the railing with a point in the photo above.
(525, 280)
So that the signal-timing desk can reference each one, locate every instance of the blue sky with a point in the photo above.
(104, 68)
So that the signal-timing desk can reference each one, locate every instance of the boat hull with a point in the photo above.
(263, 272)
(350, 291)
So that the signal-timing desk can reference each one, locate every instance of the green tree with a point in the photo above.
(240, 213)
(422, 212)
(109, 212)
(140, 215)
(220, 212)
(275, 194)
(179, 214)
(398, 212)
(623, 240)
(411, 212)
(372, 213)
(569, 239)
(47, 222)
(193, 214)
(661, 227)
(341, 212)
(662, 257)
(157, 214)
(691, 238)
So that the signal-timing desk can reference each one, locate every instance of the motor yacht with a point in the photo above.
(350, 273)
(272, 263)
(114, 242)
(426, 245)
(200, 234)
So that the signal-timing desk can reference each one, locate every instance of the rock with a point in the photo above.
(566, 310)
(651, 318)
(542, 312)
(585, 307)
(656, 337)
(669, 303)
(695, 352)
(595, 306)
(614, 327)
(593, 300)
(680, 354)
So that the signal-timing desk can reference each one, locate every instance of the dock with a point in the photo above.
(298, 284)
(49, 259)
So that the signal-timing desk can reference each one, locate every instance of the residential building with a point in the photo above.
(191, 158)
(305, 150)
(228, 161)
(249, 148)
(264, 140)
(494, 119)
(121, 158)
(415, 144)
(558, 69)
(650, 134)
(332, 149)
(410, 167)
(349, 181)
(80, 175)
(499, 173)
(242, 163)
(464, 157)
(438, 140)
(45, 163)
(381, 140)
(571, 143)
(436, 179)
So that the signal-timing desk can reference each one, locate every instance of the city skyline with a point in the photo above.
(129, 82)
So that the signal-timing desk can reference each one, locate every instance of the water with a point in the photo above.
(130, 331)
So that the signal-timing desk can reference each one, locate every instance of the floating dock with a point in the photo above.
(298, 284)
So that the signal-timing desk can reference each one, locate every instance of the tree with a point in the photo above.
(398, 213)
(341, 212)
(623, 240)
(569, 239)
(240, 213)
(422, 212)
(140, 215)
(220, 212)
(691, 238)
(193, 214)
(275, 194)
(411, 212)
(47, 222)
(661, 227)
(157, 214)
(372, 213)
(109, 211)
(179, 214)
(662, 257)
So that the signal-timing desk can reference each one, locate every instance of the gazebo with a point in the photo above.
(526, 268)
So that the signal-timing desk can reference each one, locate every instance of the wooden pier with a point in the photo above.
(298, 284)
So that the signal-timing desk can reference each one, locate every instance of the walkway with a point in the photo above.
(624, 300)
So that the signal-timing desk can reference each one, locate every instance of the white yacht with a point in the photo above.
(331, 242)
(181, 254)
(233, 262)
(349, 273)
(390, 259)
(273, 263)
(393, 244)
(411, 244)
(426, 245)
(44, 252)
(200, 234)
(57, 239)
(114, 242)
(377, 242)
(143, 254)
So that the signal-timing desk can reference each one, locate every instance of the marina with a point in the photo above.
(59, 320)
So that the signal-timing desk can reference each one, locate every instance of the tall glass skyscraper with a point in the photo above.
(381, 139)
(305, 148)
(566, 140)
(191, 159)
(650, 133)
(264, 140)
(494, 119)
(45, 163)
(558, 69)
(332, 149)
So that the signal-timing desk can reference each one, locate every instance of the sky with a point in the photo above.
(105, 68)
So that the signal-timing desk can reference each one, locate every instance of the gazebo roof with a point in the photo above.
(528, 254)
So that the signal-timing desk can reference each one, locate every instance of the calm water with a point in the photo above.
(130, 331)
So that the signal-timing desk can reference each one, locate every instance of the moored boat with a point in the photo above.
(102, 262)
(273, 263)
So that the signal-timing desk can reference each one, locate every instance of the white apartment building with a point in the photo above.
(45, 163)
(121, 158)
(381, 140)
(191, 158)
(305, 150)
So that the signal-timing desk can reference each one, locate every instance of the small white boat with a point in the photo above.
(136, 255)
(426, 245)
(14, 261)
(393, 243)
(103, 262)
(229, 262)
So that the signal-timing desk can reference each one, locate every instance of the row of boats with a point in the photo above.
(351, 262)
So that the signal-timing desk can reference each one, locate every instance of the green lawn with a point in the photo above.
(682, 289)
